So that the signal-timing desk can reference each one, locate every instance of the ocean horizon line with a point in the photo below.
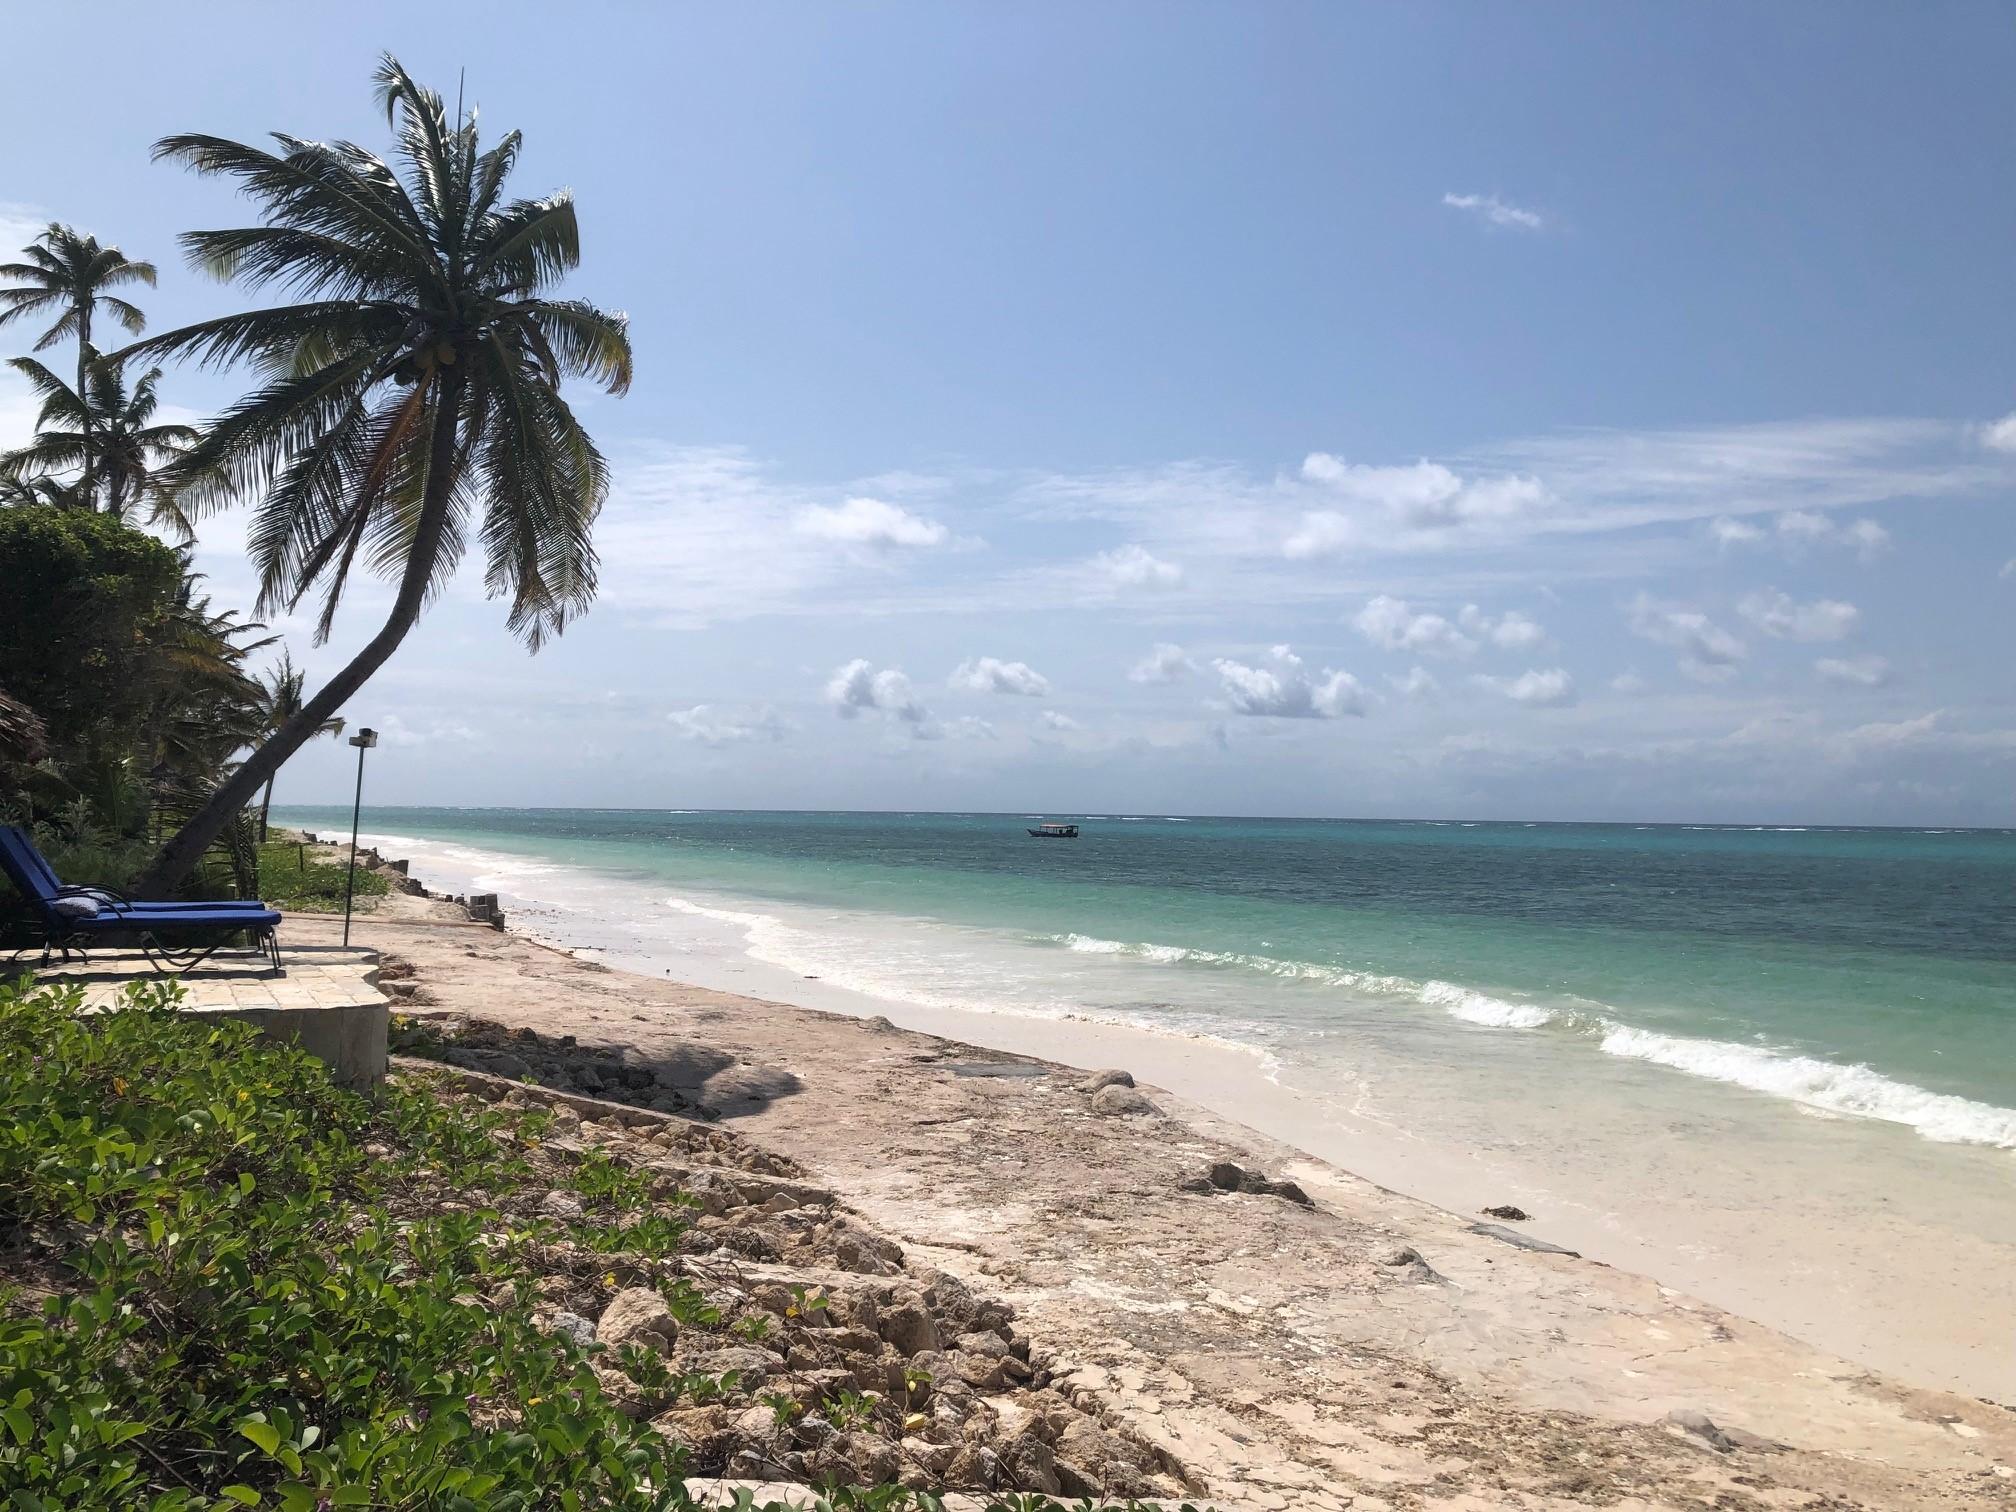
(1760, 826)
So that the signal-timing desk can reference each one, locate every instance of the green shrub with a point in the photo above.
(230, 1283)
(227, 1296)
(293, 879)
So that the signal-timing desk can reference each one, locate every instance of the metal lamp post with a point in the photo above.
(363, 740)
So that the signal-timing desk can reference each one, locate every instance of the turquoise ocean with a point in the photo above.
(1867, 973)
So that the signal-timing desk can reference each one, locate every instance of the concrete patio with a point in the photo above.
(328, 1001)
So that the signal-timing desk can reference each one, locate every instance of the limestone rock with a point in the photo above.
(562, 1205)
(909, 1327)
(1699, 1426)
(1229, 1176)
(1093, 1461)
(750, 1363)
(638, 1315)
(1112, 1077)
(1408, 1262)
(572, 1326)
(1120, 1102)
(1029, 1465)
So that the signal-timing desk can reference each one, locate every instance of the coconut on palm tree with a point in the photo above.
(105, 431)
(411, 398)
(66, 274)
(283, 693)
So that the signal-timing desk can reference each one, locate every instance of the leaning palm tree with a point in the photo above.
(106, 433)
(282, 695)
(413, 387)
(66, 273)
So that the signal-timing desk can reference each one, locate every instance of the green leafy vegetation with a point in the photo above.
(228, 1282)
(290, 877)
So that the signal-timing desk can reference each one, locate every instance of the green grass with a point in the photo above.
(291, 878)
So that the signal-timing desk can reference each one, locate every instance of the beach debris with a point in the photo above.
(1120, 1102)
(879, 1022)
(1407, 1260)
(1111, 1077)
(1509, 1213)
(1522, 1241)
(1228, 1176)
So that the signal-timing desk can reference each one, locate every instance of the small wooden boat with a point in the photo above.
(1055, 832)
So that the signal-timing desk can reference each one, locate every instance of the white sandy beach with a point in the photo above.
(1908, 1271)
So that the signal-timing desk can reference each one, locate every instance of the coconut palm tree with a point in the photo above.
(66, 274)
(411, 397)
(283, 692)
(105, 432)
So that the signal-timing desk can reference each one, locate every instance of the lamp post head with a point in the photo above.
(364, 740)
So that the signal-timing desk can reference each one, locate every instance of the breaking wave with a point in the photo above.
(1827, 1086)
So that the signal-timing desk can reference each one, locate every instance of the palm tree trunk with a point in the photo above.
(84, 397)
(265, 808)
(179, 857)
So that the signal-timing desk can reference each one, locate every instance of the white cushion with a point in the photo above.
(76, 908)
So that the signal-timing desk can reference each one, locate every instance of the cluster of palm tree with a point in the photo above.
(96, 444)
(408, 402)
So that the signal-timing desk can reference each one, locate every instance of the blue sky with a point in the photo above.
(1561, 412)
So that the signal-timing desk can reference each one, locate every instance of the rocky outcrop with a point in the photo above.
(837, 1359)
(1226, 1176)
(1118, 1101)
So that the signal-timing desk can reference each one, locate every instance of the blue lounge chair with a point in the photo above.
(71, 916)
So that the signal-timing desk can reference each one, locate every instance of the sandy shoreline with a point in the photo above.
(1295, 1357)
(1756, 1211)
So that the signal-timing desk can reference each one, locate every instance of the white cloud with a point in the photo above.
(1777, 613)
(1549, 689)
(695, 536)
(713, 725)
(1390, 624)
(1628, 683)
(971, 727)
(988, 674)
(2000, 435)
(1495, 211)
(1164, 664)
(394, 731)
(1858, 671)
(2008, 569)
(1422, 496)
(869, 522)
(1418, 683)
(1806, 527)
(1285, 691)
(1708, 653)
(1055, 721)
(858, 686)
(1725, 532)
(1132, 566)
(1511, 631)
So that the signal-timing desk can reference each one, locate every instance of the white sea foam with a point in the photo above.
(1465, 1003)
(1812, 1083)
(1824, 1085)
